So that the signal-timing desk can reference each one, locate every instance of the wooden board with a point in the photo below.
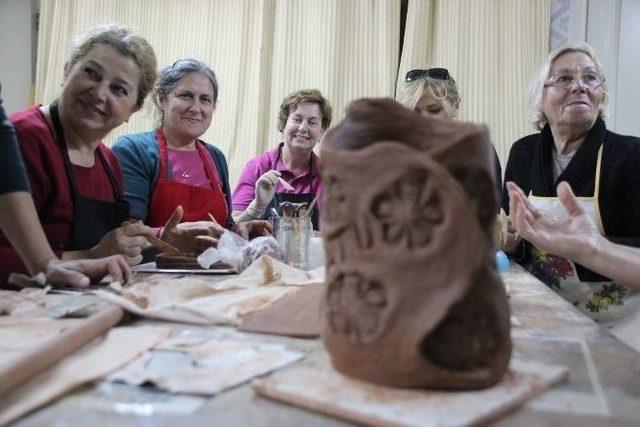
(320, 388)
(150, 267)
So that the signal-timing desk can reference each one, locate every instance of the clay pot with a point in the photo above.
(413, 298)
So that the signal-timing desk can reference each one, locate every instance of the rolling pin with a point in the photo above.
(44, 355)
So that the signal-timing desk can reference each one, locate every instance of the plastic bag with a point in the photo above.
(238, 252)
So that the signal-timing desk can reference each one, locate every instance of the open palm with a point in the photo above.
(566, 238)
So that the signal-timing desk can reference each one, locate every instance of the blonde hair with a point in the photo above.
(312, 96)
(445, 91)
(538, 85)
(127, 43)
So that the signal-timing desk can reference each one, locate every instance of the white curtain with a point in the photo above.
(261, 50)
(493, 48)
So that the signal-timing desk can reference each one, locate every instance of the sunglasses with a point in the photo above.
(434, 73)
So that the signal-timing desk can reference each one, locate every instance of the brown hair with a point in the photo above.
(312, 96)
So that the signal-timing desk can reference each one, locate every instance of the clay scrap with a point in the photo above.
(207, 301)
(296, 314)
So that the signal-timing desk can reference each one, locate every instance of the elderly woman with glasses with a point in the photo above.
(603, 168)
(434, 93)
(175, 182)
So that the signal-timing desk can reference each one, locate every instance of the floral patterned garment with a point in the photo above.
(605, 302)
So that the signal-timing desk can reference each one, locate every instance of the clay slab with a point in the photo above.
(318, 387)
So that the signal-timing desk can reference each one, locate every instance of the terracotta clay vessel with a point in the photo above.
(413, 298)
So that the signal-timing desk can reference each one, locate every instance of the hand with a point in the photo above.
(81, 272)
(191, 236)
(570, 238)
(509, 237)
(128, 240)
(266, 188)
(252, 229)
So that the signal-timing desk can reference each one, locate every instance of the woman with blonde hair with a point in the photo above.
(74, 178)
(20, 224)
(433, 92)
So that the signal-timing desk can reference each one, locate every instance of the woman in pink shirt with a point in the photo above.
(288, 172)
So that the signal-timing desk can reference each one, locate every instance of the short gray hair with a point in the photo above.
(539, 83)
(170, 75)
(410, 93)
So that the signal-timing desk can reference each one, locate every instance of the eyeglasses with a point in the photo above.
(589, 80)
(434, 73)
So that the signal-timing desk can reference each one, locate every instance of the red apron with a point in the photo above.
(196, 202)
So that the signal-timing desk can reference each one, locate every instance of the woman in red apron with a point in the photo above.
(288, 172)
(175, 182)
(74, 178)
(20, 224)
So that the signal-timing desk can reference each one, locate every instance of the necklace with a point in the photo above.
(185, 174)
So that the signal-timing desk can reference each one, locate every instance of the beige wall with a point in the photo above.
(15, 53)
(627, 108)
(612, 27)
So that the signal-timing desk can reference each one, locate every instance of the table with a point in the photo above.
(603, 388)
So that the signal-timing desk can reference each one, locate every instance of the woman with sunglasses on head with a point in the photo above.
(434, 93)
(75, 179)
(288, 172)
(568, 100)
(175, 182)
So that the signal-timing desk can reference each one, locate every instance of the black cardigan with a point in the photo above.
(14, 176)
(530, 167)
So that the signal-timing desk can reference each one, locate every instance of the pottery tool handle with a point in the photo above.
(312, 204)
(285, 184)
(44, 355)
(162, 245)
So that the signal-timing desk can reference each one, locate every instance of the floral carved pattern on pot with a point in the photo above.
(408, 210)
(334, 200)
(356, 307)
